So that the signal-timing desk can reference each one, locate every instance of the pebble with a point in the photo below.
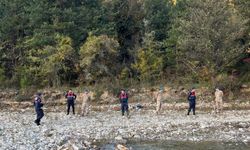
(58, 131)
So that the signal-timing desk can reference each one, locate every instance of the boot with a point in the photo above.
(36, 122)
(128, 114)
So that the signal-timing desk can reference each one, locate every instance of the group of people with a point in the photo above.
(218, 100)
(192, 100)
(71, 98)
(123, 97)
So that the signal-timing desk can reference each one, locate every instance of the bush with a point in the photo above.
(23, 97)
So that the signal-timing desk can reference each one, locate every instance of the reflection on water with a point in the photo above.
(177, 145)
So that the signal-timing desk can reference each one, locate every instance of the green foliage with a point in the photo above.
(243, 7)
(157, 18)
(129, 15)
(96, 55)
(125, 73)
(52, 64)
(210, 36)
(73, 42)
(25, 95)
(2, 77)
(24, 80)
(149, 61)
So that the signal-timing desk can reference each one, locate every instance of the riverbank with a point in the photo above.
(59, 131)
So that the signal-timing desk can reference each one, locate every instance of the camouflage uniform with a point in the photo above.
(85, 104)
(218, 100)
(159, 101)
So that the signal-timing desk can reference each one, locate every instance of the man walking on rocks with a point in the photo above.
(85, 103)
(70, 101)
(38, 108)
(218, 100)
(124, 102)
(192, 101)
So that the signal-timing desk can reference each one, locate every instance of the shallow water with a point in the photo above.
(177, 145)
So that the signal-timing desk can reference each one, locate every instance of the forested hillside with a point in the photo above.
(83, 42)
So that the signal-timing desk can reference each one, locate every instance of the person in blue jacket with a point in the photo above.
(71, 97)
(38, 108)
(192, 101)
(123, 97)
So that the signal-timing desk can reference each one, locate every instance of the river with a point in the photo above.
(179, 145)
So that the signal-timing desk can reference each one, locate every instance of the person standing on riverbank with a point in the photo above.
(85, 103)
(192, 101)
(158, 98)
(124, 102)
(38, 108)
(218, 100)
(71, 97)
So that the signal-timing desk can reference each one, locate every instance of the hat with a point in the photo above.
(39, 94)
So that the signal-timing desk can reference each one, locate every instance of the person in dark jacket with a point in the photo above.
(124, 102)
(192, 101)
(70, 101)
(38, 108)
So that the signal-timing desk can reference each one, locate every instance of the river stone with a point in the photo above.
(121, 147)
(137, 136)
(243, 124)
(56, 133)
(119, 139)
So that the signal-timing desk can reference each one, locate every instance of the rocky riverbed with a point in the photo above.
(59, 131)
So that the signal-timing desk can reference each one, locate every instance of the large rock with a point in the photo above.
(121, 147)
(116, 108)
(119, 139)
(244, 86)
(105, 95)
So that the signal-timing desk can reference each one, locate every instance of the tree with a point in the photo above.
(178, 10)
(149, 60)
(243, 6)
(210, 37)
(13, 28)
(157, 18)
(51, 65)
(157, 24)
(60, 65)
(128, 24)
(99, 58)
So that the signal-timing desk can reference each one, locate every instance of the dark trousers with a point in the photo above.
(71, 104)
(39, 116)
(191, 107)
(124, 107)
